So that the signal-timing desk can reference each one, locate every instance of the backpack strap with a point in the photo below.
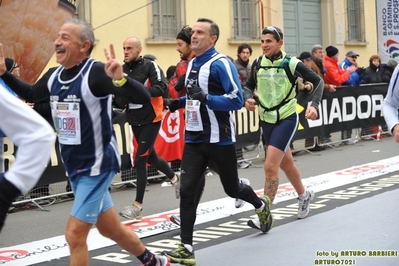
(256, 69)
(286, 66)
(291, 78)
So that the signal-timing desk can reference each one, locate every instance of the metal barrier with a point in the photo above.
(335, 139)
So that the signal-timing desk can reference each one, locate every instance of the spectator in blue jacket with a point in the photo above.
(350, 60)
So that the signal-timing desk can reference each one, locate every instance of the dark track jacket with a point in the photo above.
(150, 74)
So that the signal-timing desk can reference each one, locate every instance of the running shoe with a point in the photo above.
(176, 186)
(161, 261)
(181, 255)
(239, 202)
(244, 164)
(132, 212)
(303, 205)
(175, 219)
(266, 221)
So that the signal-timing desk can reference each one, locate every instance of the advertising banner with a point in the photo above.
(388, 29)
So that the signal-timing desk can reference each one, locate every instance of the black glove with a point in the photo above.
(179, 85)
(173, 104)
(196, 93)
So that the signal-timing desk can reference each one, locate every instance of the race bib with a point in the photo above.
(67, 122)
(193, 116)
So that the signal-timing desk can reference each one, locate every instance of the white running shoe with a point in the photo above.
(132, 212)
(303, 205)
(244, 164)
(161, 260)
(239, 202)
(175, 219)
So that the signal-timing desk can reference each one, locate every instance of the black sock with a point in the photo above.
(8, 193)
(147, 258)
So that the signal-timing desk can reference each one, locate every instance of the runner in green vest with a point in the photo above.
(273, 76)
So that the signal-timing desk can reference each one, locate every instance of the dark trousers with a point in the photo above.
(196, 158)
(146, 136)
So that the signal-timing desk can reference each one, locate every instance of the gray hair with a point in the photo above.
(316, 47)
(86, 33)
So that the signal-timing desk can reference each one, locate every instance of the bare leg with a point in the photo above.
(278, 159)
(109, 225)
(76, 236)
(271, 166)
(292, 172)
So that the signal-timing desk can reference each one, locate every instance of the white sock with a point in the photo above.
(174, 179)
(303, 196)
(189, 247)
(261, 207)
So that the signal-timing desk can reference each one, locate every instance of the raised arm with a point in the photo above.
(108, 78)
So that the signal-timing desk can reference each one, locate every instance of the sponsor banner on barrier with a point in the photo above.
(347, 108)
(56, 247)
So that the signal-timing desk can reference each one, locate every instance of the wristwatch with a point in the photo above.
(119, 82)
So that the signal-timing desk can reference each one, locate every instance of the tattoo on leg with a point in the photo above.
(271, 187)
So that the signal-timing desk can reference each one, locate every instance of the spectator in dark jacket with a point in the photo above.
(372, 74)
(387, 70)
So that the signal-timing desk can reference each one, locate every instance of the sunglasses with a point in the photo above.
(271, 28)
(354, 56)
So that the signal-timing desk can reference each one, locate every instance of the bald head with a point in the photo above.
(131, 49)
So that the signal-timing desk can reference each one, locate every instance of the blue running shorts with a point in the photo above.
(280, 135)
(91, 196)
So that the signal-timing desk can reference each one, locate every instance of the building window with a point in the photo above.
(246, 19)
(167, 18)
(83, 11)
(355, 13)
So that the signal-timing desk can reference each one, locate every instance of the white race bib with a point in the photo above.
(193, 116)
(67, 122)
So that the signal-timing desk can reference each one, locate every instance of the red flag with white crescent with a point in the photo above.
(170, 141)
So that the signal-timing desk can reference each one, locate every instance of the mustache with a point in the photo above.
(60, 48)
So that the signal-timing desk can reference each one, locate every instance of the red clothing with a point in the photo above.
(334, 75)
(181, 69)
(170, 141)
